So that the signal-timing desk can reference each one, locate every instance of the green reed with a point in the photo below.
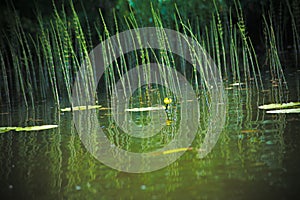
(295, 14)
(4, 79)
(273, 57)
(285, 22)
(45, 64)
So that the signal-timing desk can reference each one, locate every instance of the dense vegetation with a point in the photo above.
(42, 48)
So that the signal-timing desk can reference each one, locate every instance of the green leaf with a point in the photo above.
(36, 128)
(80, 108)
(279, 106)
(29, 128)
(237, 84)
(292, 110)
(6, 129)
(173, 151)
(145, 109)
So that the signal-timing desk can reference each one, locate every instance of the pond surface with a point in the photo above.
(256, 157)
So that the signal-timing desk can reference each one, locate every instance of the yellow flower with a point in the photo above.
(168, 122)
(167, 100)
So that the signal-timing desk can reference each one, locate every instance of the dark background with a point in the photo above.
(192, 9)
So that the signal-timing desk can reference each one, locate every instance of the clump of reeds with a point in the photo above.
(43, 66)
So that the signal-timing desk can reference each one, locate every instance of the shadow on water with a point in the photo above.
(256, 156)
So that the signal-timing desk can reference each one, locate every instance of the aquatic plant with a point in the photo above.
(43, 66)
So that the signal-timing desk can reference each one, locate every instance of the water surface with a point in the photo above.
(256, 157)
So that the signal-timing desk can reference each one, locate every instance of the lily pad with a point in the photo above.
(172, 151)
(36, 128)
(176, 150)
(279, 106)
(80, 108)
(237, 84)
(29, 128)
(145, 109)
(6, 129)
(292, 110)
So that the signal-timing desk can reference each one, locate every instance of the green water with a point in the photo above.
(256, 157)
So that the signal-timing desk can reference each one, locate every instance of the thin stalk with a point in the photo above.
(5, 79)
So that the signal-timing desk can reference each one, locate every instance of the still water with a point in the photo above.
(256, 157)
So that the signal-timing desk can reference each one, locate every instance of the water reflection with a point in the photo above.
(249, 160)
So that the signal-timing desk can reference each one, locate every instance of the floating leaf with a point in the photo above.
(145, 109)
(292, 110)
(172, 151)
(176, 150)
(190, 100)
(29, 128)
(237, 84)
(36, 128)
(80, 108)
(6, 129)
(104, 108)
(279, 106)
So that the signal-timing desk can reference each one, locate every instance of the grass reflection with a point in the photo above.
(55, 163)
